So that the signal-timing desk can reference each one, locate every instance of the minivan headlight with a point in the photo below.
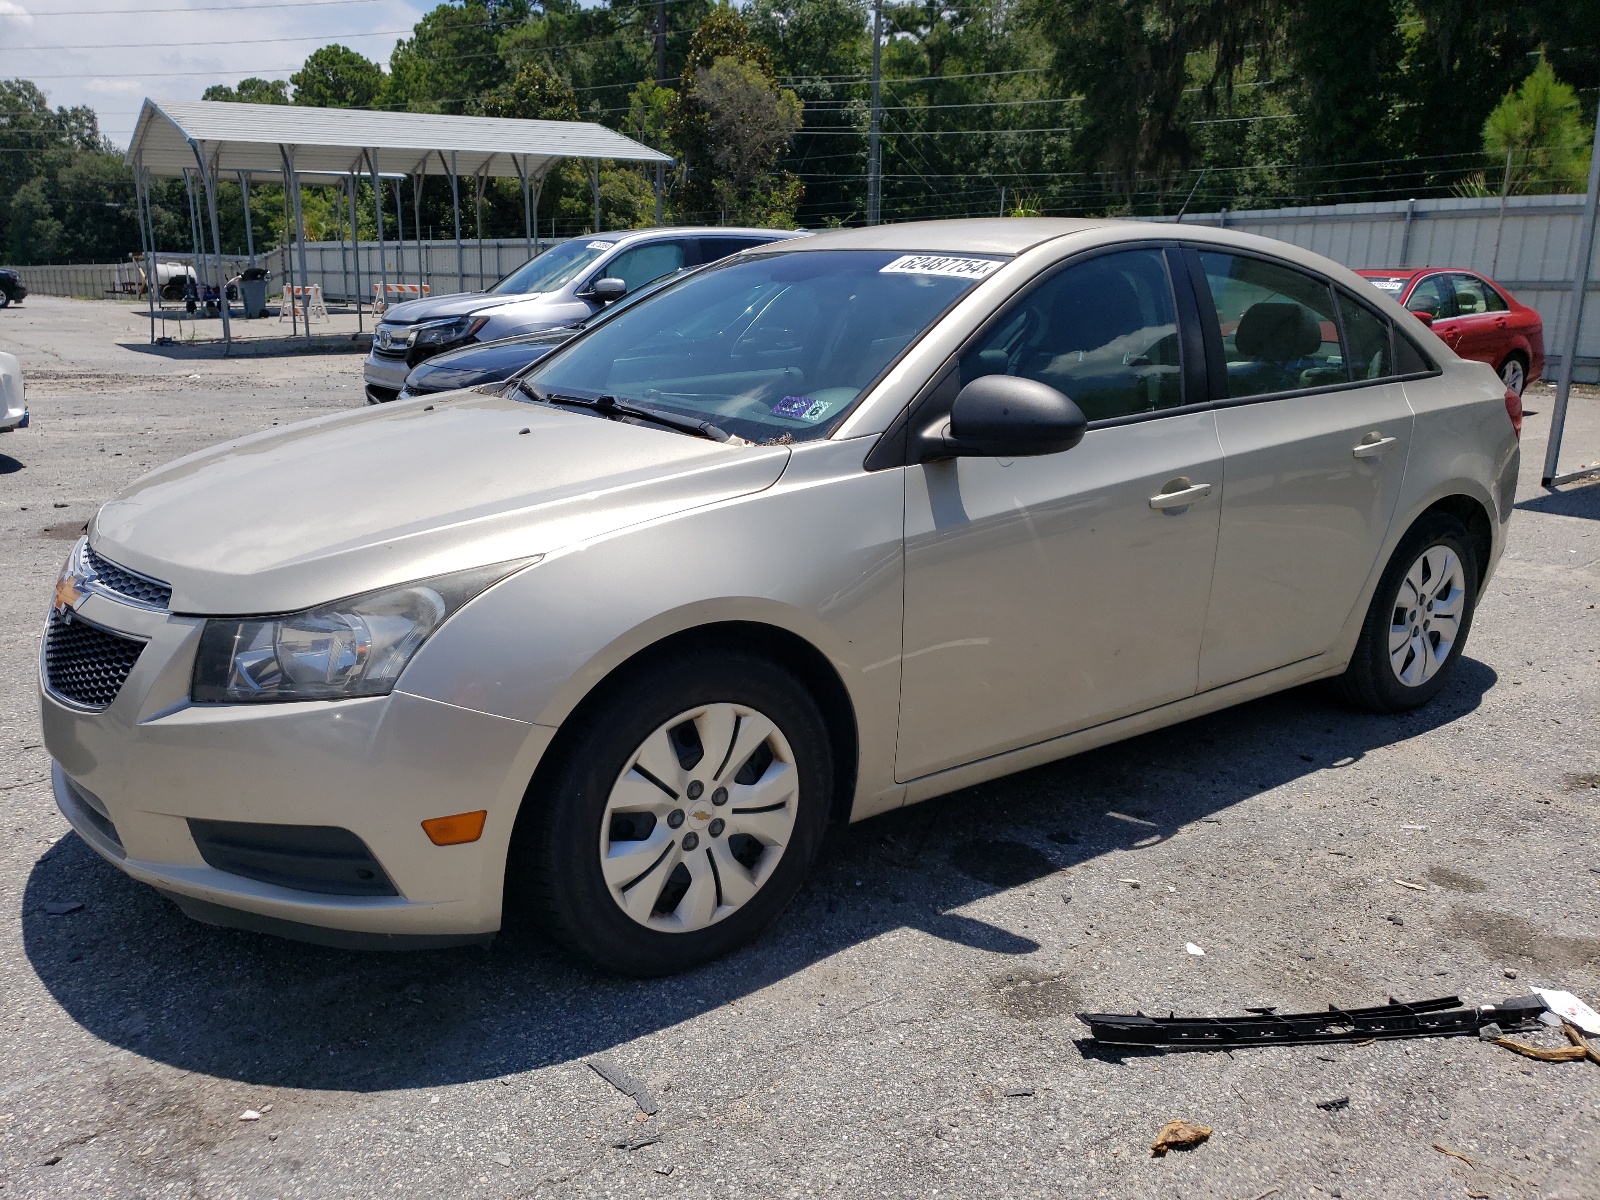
(447, 333)
(352, 647)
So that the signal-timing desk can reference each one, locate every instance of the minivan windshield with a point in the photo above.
(555, 268)
(771, 348)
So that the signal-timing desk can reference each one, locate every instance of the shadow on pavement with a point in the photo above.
(1577, 500)
(254, 347)
(249, 1007)
(9, 465)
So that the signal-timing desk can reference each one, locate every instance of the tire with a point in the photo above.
(1514, 373)
(1393, 668)
(643, 772)
(5, 299)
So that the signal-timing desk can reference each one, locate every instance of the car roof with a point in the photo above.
(982, 235)
(1413, 272)
(635, 235)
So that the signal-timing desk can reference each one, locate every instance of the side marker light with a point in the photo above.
(457, 829)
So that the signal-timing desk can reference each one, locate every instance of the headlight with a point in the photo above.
(352, 647)
(444, 333)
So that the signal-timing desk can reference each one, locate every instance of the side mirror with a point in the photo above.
(608, 289)
(1003, 416)
(1422, 315)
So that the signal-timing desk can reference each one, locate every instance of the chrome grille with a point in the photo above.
(84, 664)
(129, 585)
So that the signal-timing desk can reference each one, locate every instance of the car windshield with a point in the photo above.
(554, 268)
(770, 348)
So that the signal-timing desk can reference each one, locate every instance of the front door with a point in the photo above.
(1314, 440)
(1044, 595)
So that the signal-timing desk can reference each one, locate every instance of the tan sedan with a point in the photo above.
(829, 528)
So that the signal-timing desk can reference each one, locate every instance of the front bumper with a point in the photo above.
(17, 419)
(384, 375)
(131, 777)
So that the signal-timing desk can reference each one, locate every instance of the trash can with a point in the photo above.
(253, 290)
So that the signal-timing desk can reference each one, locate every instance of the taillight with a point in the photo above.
(1514, 411)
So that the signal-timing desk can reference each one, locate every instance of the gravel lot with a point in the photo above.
(907, 1028)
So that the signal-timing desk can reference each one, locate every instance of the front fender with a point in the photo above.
(818, 555)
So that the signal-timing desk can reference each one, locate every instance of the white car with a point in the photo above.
(13, 401)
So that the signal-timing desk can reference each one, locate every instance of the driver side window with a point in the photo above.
(1103, 332)
(645, 264)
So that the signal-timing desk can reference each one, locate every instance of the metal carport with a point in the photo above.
(202, 141)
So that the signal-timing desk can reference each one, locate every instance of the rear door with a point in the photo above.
(1047, 594)
(1314, 433)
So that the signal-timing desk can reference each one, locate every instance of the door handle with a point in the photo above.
(1185, 495)
(1373, 445)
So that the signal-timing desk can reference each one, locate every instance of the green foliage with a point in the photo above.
(533, 94)
(730, 122)
(250, 91)
(450, 59)
(337, 77)
(1540, 128)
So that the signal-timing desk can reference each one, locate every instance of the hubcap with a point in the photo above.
(1427, 616)
(671, 860)
(1511, 375)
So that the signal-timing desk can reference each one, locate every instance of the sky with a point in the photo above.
(111, 54)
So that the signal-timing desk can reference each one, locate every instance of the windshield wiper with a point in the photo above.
(610, 406)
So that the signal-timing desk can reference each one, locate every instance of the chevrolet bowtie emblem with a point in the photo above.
(68, 593)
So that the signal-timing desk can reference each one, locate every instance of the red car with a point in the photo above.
(1476, 317)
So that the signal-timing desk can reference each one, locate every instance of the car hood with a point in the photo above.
(488, 363)
(459, 304)
(295, 517)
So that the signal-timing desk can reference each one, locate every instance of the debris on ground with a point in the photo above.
(1415, 887)
(624, 1083)
(636, 1143)
(1569, 1008)
(1510, 972)
(60, 908)
(1557, 1054)
(1337, 1104)
(1444, 1017)
(249, 1114)
(1130, 882)
(1193, 949)
(1454, 1154)
(1019, 1091)
(503, 1159)
(1178, 1135)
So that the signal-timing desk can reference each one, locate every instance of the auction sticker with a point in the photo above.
(801, 408)
(941, 264)
(600, 245)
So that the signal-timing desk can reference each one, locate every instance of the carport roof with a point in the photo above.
(332, 141)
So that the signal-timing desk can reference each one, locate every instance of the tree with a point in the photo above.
(749, 121)
(337, 77)
(728, 80)
(250, 91)
(533, 94)
(1539, 125)
(451, 58)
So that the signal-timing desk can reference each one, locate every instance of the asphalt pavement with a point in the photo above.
(907, 1028)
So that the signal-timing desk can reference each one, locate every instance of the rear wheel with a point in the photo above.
(1419, 619)
(680, 818)
(1514, 373)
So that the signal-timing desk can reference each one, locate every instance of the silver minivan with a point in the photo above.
(569, 282)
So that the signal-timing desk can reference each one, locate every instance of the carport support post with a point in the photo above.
(527, 210)
(152, 284)
(249, 234)
(355, 246)
(377, 204)
(194, 227)
(661, 170)
(400, 230)
(1580, 285)
(594, 189)
(208, 179)
(344, 261)
(299, 241)
(455, 207)
(416, 221)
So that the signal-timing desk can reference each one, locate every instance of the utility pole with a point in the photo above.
(1569, 354)
(661, 44)
(874, 149)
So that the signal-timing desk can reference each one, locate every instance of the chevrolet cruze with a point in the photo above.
(823, 530)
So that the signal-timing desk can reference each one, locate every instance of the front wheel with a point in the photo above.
(1419, 619)
(680, 818)
(1514, 374)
